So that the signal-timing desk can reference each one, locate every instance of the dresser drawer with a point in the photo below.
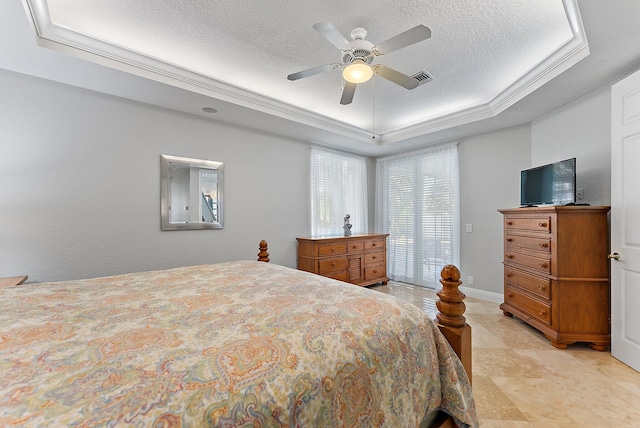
(374, 244)
(332, 264)
(529, 242)
(541, 264)
(332, 248)
(340, 276)
(538, 224)
(372, 259)
(355, 246)
(375, 272)
(535, 284)
(537, 309)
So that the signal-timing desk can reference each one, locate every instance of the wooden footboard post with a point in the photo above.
(263, 255)
(450, 317)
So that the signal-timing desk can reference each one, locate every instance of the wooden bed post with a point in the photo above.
(450, 317)
(263, 255)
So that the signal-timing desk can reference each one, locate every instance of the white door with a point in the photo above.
(625, 220)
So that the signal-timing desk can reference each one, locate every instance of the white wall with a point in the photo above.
(581, 129)
(490, 166)
(80, 185)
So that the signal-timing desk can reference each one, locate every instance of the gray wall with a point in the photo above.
(80, 185)
(490, 166)
(581, 129)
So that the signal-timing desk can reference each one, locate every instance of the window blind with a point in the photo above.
(338, 188)
(417, 203)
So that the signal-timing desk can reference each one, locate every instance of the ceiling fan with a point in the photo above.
(358, 55)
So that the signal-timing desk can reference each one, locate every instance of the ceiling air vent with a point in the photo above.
(422, 77)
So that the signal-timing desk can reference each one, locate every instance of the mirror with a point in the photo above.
(191, 193)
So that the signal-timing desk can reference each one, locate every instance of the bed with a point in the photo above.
(232, 344)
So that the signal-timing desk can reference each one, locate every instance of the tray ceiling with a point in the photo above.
(483, 56)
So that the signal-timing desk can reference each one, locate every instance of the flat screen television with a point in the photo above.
(552, 184)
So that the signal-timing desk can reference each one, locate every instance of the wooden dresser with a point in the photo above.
(360, 260)
(556, 272)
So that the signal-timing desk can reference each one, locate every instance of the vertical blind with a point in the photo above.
(338, 188)
(417, 203)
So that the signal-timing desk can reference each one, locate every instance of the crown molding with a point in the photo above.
(57, 38)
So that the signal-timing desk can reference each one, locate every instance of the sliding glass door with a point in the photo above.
(418, 205)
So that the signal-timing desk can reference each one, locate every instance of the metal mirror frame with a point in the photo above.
(165, 176)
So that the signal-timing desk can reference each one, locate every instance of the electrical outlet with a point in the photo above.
(470, 280)
(580, 193)
(469, 228)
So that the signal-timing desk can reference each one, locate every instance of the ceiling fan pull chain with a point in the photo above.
(373, 110)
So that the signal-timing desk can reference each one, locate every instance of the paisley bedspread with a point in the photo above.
(234, 344)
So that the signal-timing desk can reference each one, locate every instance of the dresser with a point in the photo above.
(556, 272)
(360, 259)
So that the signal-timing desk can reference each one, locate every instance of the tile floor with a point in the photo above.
(520, 380)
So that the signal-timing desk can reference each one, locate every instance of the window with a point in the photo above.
(338, 188)
(418, 205)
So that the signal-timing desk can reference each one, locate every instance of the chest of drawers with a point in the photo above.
(360, 259)
(556, 272)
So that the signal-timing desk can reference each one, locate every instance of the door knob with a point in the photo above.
(614, 256)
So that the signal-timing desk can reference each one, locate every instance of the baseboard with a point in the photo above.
(483, 295)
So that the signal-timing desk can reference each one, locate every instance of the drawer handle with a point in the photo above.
(544, 265)
(332, 249)
(509, 295)
(333, 264)
(542, 224)
(544, 245)
(542, 312)
(373, 244)
(542, 287)
(373, 257)
(509, 256)
(508, 275)
(354, 246)
(509, 240)
(509, 223)
(375, 271)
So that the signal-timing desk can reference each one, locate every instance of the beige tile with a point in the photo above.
(539, 399)
(504, 363)
(492, 403)
(500, 423)
(601, 362)
(514, 332)
(632, 387)
(483, 338)
(481, 306)
(559, 425)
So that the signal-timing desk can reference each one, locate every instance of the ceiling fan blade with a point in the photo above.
(347, 93)
(395, 76)
(330, 33)
(409, 37)
(313, 71)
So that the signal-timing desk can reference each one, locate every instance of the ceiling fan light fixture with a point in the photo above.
(357, 72)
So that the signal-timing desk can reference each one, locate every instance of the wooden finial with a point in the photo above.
(449, 316)
(263, 255)
(450, 303)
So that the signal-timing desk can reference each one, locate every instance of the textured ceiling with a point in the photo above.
(484, 56)
(475, 53)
